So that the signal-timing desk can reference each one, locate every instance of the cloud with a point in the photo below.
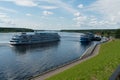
(61, 17)
(77, 14)
(33, 3)
(8, 10)
(66, 6)
(47, 13)
(3, 15)
(4, 19)
(7, 22)
(48, 7)
(106, 6)
(80, 20)
(71, 1)
(109, 10)
(28, 14)
(93, 22)
(28, 3)
(80, 6)
(63, 5)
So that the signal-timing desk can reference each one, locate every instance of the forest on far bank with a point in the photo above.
(103, 32)
(15, 30)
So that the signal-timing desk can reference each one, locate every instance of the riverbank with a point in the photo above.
(89, 53)
(99, 67)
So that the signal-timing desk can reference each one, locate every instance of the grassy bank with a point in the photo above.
(98, 68)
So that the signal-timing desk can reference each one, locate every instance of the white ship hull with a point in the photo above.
(25, 43)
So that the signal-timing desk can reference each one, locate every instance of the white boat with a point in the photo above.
(34, 38)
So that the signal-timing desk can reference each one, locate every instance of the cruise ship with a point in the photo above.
(34, 38)
(87, 37)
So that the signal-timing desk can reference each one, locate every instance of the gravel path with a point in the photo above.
(51, 73)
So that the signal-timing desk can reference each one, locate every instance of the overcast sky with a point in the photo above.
(60, 14)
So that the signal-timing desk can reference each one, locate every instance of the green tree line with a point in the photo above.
(117, 33)
(15, 30)
(103, 32)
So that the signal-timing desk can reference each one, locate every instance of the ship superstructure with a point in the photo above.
(34, 38)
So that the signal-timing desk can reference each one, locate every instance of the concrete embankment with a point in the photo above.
(90, 52)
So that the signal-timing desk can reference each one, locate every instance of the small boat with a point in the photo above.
(97, 38)
(34, 38)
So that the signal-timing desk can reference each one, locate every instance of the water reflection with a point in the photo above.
(86, 43)
(22, 49)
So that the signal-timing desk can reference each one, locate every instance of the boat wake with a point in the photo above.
(3, 43)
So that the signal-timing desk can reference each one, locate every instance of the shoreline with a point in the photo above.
(89, 53)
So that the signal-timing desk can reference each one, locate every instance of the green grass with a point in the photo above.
(98, 68)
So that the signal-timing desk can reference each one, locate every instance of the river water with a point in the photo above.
(21, 62)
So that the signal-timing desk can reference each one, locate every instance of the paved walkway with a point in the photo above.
(51, 73)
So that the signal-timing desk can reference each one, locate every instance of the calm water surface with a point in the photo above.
(21, 62)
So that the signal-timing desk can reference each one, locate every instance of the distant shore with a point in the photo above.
(102, 32)
(15, 30)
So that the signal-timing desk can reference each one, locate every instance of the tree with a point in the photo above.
(117, 33)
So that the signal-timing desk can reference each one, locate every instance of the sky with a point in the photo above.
(60, 14)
